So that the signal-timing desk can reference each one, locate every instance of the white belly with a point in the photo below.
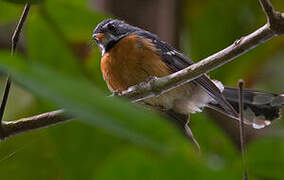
(189, 98)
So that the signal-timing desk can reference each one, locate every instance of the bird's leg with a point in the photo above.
(189, 134)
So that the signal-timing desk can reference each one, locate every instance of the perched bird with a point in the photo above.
(130, 55)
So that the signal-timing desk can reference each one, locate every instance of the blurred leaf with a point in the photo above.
(271, 73)
(80, 97)
(8, 12)
(266, 158)
(82, 148)
(132, 163)
(32, 159)
(218, 149)
(45, 44)
(76, 28)
(21, 103)
(92, 67)
(85, 4)
(214, 25)
(24, 1)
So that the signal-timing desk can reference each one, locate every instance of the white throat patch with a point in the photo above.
(103, 50)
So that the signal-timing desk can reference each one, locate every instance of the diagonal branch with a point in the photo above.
(157, 86)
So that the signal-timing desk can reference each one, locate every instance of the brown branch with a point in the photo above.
(19, 27)
(11, 128)
(274, 18)
(157, 86)
(15, 39)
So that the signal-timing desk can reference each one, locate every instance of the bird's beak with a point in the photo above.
(98, 37)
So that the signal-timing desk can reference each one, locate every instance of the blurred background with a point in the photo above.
(59, 67)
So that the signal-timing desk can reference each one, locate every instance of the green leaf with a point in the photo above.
(86, 101)
(24, 1)
(45, 44)
(82, 148)
(218, 24)
(218, 149)
(131, 163)
(92, 68)
(31, 156)
(266, 158)
(8, 12)
(76, 21)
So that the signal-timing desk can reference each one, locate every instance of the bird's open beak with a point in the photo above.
(98, 37)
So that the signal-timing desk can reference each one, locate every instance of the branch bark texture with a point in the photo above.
(157, 86)
(11, 128)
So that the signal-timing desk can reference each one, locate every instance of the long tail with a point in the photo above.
(260, 108)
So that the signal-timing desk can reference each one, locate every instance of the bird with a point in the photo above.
(130, 55)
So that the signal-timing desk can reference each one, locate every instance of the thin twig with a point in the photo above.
(19, 27)
(15, 39)
(242, 128)
(3, 105)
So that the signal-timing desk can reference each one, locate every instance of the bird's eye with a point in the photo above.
(111, 27)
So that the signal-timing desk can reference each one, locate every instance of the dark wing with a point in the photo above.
(177, 61)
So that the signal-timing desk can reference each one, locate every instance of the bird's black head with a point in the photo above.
(110, 31)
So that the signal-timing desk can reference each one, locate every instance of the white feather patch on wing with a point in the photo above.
(219, 85)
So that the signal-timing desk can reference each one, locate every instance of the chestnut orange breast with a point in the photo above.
(131, 61)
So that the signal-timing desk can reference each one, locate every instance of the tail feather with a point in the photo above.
(260, 108)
